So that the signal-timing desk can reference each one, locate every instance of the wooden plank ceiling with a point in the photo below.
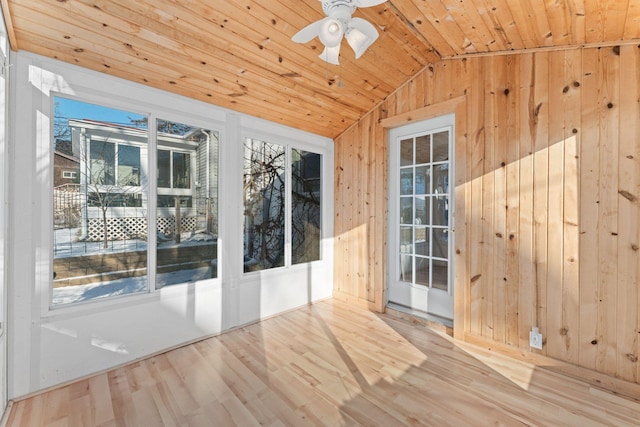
(239, 54)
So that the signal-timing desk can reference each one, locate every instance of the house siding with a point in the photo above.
(547, 186)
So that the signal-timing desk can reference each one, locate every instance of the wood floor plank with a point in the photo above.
(328, 364)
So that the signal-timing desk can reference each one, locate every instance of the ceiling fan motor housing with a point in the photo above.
(339, 9)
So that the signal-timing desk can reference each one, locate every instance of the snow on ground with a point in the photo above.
(130, 285)
(66, 243)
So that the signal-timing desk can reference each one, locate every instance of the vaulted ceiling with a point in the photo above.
(239, 54)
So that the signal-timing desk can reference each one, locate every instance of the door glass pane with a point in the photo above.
(186, 215)
(99, 205)
(406, 152)
(423, 149)
(305, 206)
(440, 214)
(441, 147)
(423, 180)
(441, 179)
(406, 210)
(440, 243)
(422, 271)
(422, 241)
(422, 210)
(406, 240)
(440, 275)
(264, 205)
(406, 268)
(406, 181)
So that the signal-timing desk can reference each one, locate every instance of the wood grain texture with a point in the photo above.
(328, 364)
(239, 55)
(550, 222)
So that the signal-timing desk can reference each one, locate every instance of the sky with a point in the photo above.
(70, 109)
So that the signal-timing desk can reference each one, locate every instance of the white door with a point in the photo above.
(420, 218)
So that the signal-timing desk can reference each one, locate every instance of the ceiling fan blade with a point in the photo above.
(331, 55)
(360, 35)
(308, 33)
(369, 3)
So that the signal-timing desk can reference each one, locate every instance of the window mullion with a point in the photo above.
(152, 201)
(287, 211)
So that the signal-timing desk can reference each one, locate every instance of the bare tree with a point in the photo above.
(61, 130)
(264, 203)
(305, 207)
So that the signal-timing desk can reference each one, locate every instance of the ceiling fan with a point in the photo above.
(360, 34)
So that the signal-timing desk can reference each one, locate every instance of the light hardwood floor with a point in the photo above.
(327, 364)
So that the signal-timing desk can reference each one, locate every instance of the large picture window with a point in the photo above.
(279, 208)
(101, 218)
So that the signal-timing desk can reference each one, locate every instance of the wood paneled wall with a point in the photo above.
(547, 189)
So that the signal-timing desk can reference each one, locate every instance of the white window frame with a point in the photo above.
(288, 146)
(152, 192)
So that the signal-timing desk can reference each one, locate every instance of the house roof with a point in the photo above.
(66, 156)
(239, 54)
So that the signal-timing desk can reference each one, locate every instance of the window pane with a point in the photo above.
(100, 228)
(103, 161)
(181, 170)
(164, 169)
(187, 224)
(305, 206)
(128, 165)
(264, 205)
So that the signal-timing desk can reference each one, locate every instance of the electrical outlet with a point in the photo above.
(535, 339)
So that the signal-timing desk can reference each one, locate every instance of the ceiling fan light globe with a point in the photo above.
(358, 41)
(331, 32)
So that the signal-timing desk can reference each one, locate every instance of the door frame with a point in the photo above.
(5, 55)
(458, 106)
(430, 303)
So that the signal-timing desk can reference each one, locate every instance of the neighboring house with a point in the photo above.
(114, 177)
(66, 169)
